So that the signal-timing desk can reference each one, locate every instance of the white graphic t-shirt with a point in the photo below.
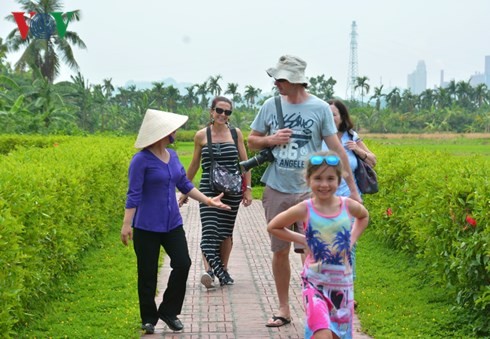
(310, 121)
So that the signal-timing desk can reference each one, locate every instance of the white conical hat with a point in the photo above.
(157, 125)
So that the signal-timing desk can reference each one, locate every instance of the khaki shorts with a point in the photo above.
(275, 202)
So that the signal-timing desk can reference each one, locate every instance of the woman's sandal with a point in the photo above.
(282, 321)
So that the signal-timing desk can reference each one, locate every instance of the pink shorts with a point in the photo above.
(275, 202)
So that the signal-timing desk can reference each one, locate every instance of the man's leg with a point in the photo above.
(275, 202)
(281, 269)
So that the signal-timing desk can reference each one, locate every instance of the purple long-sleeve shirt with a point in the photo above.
(151, 191)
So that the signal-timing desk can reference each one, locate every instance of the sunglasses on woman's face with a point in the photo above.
(330, 160)
(221, 111)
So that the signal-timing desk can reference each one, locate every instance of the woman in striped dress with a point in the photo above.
(217, 225)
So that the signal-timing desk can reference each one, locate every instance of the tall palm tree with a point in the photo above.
(45, 54)
(108, 87)
(250, 94)
(190, 99)
(81, 98)
(158, 93)
(480, 94)
(393, 99)
(426, 99)
(378, 94)
(409, 101)
(232, 89)
(464, 92)
(451, 88)
(362, 83)
(203, 90)
(214, 86)
(172, 98)
(442, 98)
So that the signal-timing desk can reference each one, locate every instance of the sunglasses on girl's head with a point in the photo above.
(221, 111)
(331, 160)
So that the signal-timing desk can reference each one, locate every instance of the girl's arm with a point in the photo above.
(278, 226)
(361, 215)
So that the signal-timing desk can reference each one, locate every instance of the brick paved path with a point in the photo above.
(240, 310)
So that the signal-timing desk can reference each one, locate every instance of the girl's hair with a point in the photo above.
(219, 99)
(213, 106)
(310, 168)
(346, 123)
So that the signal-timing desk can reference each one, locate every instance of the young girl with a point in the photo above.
(328, 293)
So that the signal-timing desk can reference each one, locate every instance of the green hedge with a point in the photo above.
(428, 205)
(55, 203)
(9, 143)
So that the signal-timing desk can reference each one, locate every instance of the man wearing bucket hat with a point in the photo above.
(307, 121)
(152, 218)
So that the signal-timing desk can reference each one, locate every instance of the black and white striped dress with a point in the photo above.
(217, 224)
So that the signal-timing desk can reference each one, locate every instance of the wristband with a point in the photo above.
(365, 157)
(209, 201)
(249, 187)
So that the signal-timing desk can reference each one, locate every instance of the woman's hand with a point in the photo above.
(352, 145)
(247, 198)
(126, 234)
(216, 202)
(183, 199)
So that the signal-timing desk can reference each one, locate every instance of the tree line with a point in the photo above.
(32, 102)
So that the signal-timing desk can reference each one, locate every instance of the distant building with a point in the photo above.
(443, 83)
(417, 80)
(482, 78)
(477, 78)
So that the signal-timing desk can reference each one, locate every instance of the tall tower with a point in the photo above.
(353, 67)
(487, 70)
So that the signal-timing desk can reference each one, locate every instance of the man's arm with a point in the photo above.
(334, 144)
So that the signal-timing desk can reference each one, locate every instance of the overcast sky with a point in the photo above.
(189, 40)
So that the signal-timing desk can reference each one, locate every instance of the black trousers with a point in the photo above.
(147, 248)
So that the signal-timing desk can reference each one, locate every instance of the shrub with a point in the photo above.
(61, 200)
(435, 206)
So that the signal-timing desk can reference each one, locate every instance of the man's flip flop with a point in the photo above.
(282, 321)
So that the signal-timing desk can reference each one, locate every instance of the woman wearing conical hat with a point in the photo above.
(152, 218)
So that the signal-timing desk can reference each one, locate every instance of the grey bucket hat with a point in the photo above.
(290, 68)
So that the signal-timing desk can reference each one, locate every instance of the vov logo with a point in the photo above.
(42, 25)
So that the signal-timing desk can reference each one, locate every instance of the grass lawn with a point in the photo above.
(395, 299)
(457, 144)
(101, 301)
